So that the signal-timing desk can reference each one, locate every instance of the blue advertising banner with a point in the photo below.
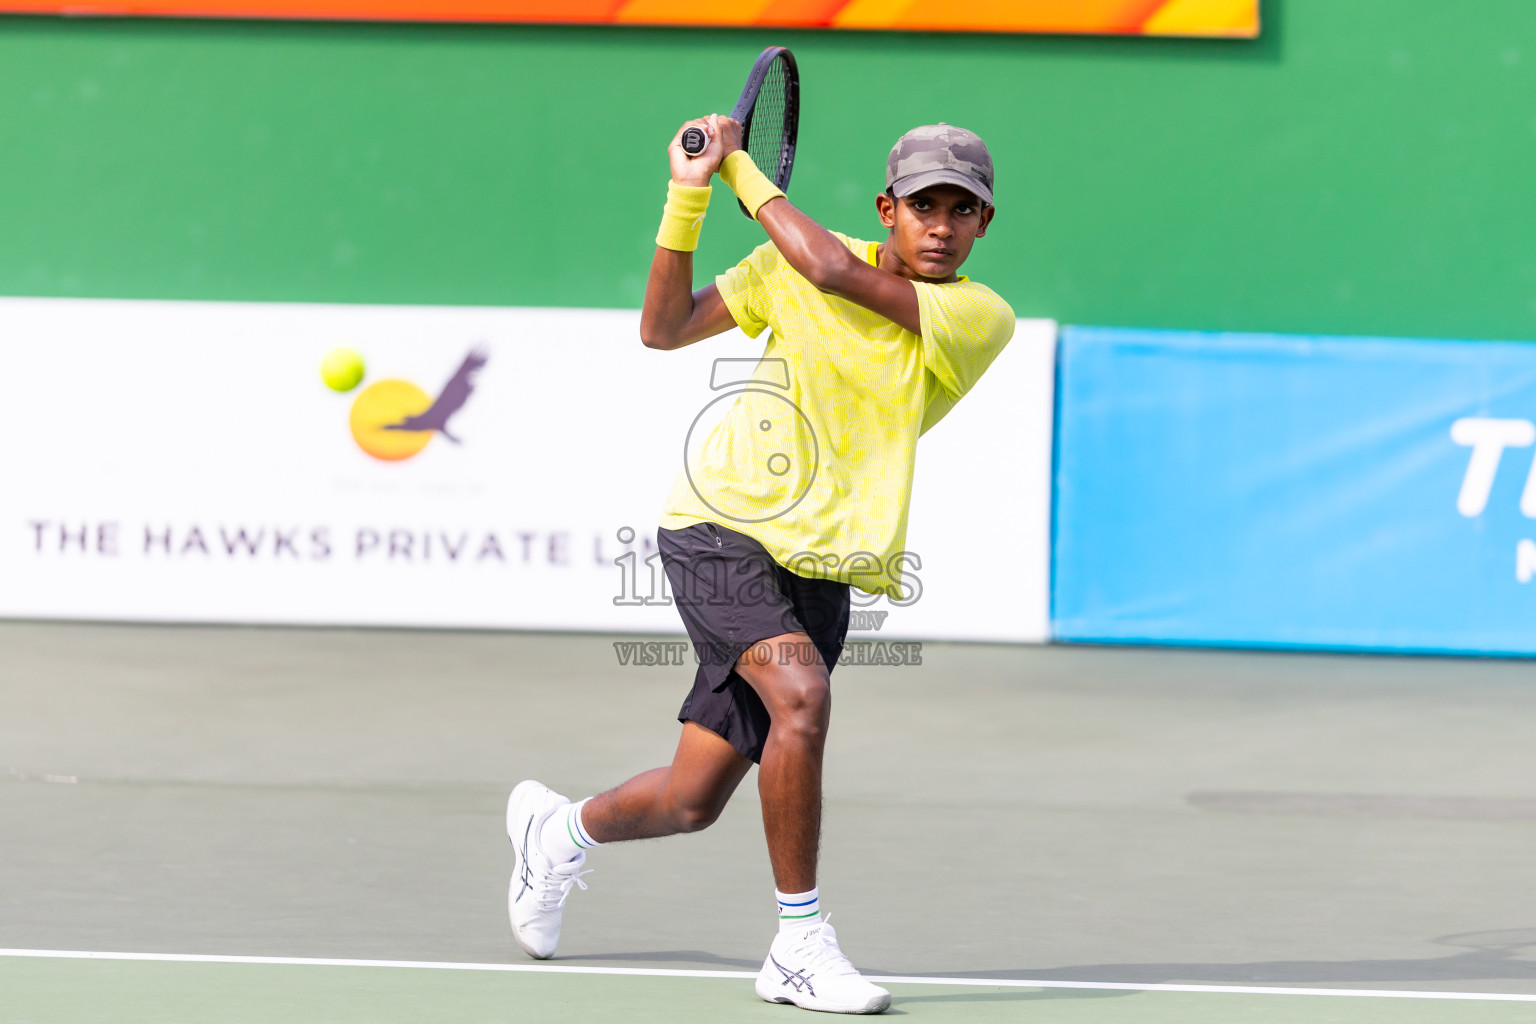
(1294, 491)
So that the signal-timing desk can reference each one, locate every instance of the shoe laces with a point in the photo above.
(554, 887)
(818, 946)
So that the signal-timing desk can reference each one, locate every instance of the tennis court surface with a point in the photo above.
(306, 825)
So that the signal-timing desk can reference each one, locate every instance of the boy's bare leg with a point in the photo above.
(547, 830)
(798, 697)
(685, 796)
(805, 965)
(689, 794)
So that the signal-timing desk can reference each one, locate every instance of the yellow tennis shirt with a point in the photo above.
(813, 457)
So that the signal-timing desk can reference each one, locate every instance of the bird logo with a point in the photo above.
(393, 419)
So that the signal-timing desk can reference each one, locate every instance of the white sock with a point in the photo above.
(798, 909)
(563, 836)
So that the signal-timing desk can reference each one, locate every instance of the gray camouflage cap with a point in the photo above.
(939, 154)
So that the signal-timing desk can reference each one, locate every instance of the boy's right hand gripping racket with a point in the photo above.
(769, 114)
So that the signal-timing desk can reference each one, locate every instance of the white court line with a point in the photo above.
(658, 972)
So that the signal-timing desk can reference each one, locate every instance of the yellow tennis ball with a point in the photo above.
(341, 369)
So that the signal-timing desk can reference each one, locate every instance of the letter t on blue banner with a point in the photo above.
(1298, 492)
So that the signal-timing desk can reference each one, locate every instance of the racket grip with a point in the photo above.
(694, 141)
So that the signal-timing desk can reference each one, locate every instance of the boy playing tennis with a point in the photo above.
(785, 507)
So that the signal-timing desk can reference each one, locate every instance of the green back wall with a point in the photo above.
(1365, 168)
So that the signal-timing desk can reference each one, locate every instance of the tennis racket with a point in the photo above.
(769, 114)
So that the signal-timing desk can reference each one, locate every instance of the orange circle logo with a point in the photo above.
(379, 415)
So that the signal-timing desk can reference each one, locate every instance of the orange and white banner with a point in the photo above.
(1234, 18)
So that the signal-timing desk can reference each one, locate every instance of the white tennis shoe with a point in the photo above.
(806, 967)
(536, 898)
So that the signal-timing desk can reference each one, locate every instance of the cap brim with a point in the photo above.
(902, 187)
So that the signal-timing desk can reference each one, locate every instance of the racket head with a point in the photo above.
(769, 113)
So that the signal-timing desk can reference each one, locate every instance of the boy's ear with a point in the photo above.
(886, 207)
(986, 219)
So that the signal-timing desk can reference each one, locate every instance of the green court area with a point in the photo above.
(41, 991)
(1030, 816)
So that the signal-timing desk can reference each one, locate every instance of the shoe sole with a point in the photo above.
(879, 1005)
(514, 814)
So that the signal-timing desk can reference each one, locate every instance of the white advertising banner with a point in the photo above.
(181, 461)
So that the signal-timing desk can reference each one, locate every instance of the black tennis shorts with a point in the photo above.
(731, 594)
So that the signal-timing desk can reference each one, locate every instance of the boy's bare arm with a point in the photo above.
(813, 250)
(829, 265)
(674, 314)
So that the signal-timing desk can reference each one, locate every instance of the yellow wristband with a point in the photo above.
(683, 217)
(751, 185)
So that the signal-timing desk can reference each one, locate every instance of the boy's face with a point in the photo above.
(934, 228)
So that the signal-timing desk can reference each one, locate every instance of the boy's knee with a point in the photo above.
(805, 703)
(693, 817)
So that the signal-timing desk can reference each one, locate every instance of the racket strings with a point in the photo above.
(766, 140)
